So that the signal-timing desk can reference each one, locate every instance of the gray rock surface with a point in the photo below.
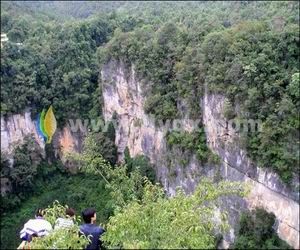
(123, 94)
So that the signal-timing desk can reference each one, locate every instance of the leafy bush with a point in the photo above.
(256, 230)
(157, 222)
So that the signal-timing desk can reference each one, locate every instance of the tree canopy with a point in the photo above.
(247, 51)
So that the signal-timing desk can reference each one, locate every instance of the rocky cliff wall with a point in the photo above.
(136, 130)
(267, 190)
(16, 127)
(123, 95)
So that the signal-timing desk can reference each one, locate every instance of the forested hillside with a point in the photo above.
(251, 56)
(246, 51)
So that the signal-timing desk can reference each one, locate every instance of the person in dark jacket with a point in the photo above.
(90, 229)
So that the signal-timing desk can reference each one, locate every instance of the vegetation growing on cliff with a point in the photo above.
(105, 146)
(255, 66)
(256, 230)
(250, 56)
(246, 51)
(253, 59)
(142, 164)
(22, 173)
(192, 143)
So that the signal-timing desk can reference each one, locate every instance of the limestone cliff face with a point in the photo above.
(16, 127)
(136, 130)
(123, 95)
(267, 190)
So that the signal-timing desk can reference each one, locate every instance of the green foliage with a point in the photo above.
(149, 217)
(184, 139)
(160, 47)
(61, 239)
(193, 142)
(251, 57)
(63, 11)
(111, 132)
(55, 65)
(294, 85)
(256, 231)
(240, 49)
(140, 163)
(18, 18)
(228, 110)
(235, 48)
(122, 186)
(36, 183)
(26, 169)
(248, 63)
(178, 222)
(105, 146)
(171, 49)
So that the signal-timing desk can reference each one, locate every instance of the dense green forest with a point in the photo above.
(247, 51)
(251, 55)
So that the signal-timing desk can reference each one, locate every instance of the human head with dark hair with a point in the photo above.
(89, 215)
(39, 212)
(70, 212)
